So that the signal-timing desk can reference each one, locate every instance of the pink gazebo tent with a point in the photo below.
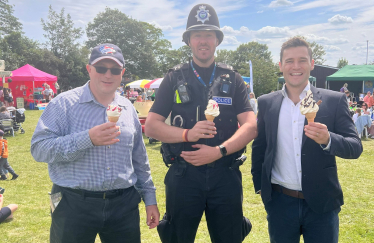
(26, 78)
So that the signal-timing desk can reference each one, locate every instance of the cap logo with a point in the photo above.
(107, 50)
(202, 14)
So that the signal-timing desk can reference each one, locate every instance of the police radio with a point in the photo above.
(225, 84)
(183, 93)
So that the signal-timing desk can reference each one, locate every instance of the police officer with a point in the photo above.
(203, 156)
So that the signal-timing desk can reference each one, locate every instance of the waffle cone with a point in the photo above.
(210, 117)
(310, 116)
(113, 118)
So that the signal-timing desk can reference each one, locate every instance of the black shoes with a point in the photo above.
(15, 176)
(3, 177)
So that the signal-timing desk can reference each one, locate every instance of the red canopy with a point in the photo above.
(26, 78)
(29, 73)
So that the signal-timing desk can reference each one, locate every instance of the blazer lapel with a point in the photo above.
(274, 111)
(316, 96)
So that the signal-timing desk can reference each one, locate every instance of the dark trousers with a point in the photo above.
(192, 190)
(78, 219)
(4, 166)
(290, 217)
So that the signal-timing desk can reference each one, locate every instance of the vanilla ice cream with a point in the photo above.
(113, 112)
(309, 107)
(212, 110)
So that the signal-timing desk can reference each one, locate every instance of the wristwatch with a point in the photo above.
(223, 150)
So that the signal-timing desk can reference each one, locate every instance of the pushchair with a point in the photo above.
(18, 117)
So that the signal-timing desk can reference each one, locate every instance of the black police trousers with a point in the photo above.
(192, 190)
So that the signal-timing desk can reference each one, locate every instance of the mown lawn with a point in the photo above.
(30, 192)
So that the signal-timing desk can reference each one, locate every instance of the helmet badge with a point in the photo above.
(202, 14)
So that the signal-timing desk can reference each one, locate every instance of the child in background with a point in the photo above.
(4, 165)
(6, 212)
(356, 115)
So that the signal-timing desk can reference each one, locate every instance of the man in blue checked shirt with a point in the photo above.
(99, 169)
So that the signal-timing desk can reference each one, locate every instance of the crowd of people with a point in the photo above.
(137, 95)
(362, 108)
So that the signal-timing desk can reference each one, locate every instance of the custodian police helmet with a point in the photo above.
(202, 17)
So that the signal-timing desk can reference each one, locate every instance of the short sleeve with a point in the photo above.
(164, 97)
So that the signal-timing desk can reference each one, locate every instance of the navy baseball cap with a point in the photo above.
(1, 133)
(107, 51)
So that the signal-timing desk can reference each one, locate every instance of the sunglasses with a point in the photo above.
(114, 71)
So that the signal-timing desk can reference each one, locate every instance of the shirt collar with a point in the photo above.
(302, 95)
(87, 96)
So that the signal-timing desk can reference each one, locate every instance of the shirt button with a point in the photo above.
(297, 154)
(108, 146)
(300, 171)
(295, 138)
(294, 121)
(108, 168)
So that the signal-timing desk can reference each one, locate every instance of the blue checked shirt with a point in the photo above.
(61, 139)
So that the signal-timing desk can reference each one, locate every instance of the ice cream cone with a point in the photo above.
(210, 117)
(310, 116)
(113, 118)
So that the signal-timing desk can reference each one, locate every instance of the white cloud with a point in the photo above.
(264, 41)
(228, 30)
(326, 40)
(273, 32)
(331, 48)
(230, 40)
(280, 3)
(340, 19)
(333, 5)
(362, 46)
(162, 27)
(260, 11)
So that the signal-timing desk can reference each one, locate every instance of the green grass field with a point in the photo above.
(30, 191)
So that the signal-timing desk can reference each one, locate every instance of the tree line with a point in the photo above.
(147, 53)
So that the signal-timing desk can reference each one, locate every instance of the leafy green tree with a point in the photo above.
(224, 56)
(72, 72)
(8, 22)
(264, 70)
(174, 57)
(342, 62)
(318, 51)
(185, 53)
(142, 45)
(18, 50)
(70, 58)
(62, 37)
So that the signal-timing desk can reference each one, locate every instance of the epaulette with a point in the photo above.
(179, 66)
(225, 66)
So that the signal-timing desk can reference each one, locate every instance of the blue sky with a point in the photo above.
(341, 26)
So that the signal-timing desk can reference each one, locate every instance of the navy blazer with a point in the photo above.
(320, 182)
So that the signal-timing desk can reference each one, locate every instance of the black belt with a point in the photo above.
(99, 194)
(288, 192)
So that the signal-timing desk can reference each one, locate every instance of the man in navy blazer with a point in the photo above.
(293, 162)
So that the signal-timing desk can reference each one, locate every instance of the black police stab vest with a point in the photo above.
(226, 123)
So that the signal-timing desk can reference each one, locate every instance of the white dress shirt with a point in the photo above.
(287, 165)
(287, 170)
